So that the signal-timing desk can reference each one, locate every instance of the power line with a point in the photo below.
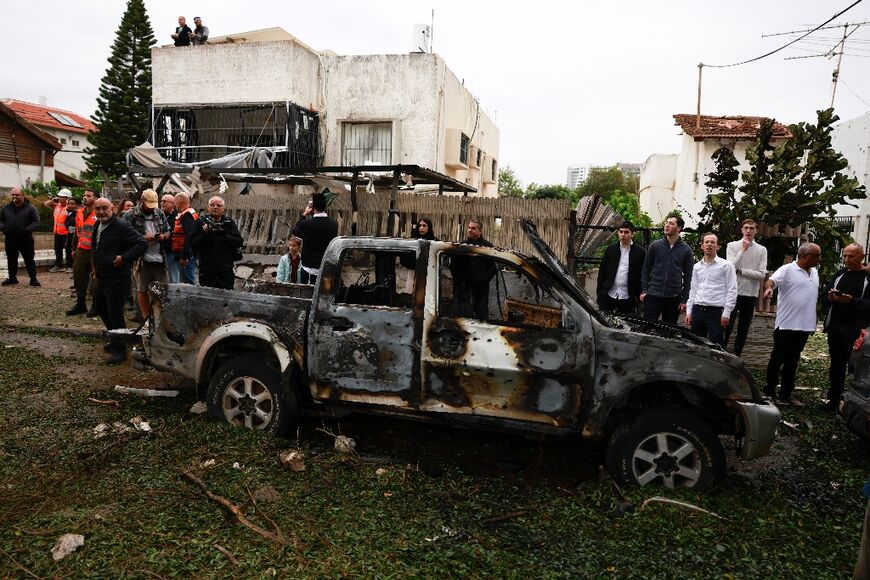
(772, 52)
(854, 93)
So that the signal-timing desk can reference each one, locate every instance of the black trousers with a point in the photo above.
(306, 278)
(786, 354)
(59, 247)
(742, 314)
(223, 280)
(707, 322)
(840, 343)
(623, 307)
(22, 245)
(68, 250)
(668, 307)
(110, 295)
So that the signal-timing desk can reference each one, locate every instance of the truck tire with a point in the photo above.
(669, 446)
(246, 392)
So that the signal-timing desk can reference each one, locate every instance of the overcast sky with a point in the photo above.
(567, 82)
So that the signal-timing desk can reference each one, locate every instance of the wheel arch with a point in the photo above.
(237, 338)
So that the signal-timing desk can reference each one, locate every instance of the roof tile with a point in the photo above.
(38, 115)
(726, 127)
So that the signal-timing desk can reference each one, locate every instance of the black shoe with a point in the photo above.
(108, 347)
(34, 282)
(9, 282)
(117, 358)
(77, 309)
(829, 407)
(92, 314)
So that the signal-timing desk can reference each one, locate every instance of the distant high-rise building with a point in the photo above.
(580, 173)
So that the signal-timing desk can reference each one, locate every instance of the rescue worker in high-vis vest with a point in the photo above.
(58, 206)
(182, 229)
(85, 224)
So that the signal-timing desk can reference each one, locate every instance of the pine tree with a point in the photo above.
(123, 107)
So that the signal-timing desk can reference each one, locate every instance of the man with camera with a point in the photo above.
(217, 241)
(316, 230)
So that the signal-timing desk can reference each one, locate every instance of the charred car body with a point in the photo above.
(854, 405)
(376, 336)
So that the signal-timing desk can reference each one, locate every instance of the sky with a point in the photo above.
(568, 83)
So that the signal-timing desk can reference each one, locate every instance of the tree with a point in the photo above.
(123, 107)
(508, 183)
(627, 205)
(604, 181)
(721, 211)
(553, 191)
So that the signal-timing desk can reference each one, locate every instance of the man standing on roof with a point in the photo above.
(200, 33)
(182, 33)
(58, 206)
(18, 220)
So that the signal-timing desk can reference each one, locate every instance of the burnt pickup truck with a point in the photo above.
(377, 336)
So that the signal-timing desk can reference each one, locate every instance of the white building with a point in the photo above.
(577, 175)
(267, 88)
(70, 129)
(852, 139)
(670, 182)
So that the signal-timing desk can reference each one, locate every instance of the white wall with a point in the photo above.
(71, 159)
(12, 175)
(852, 139)
(657, 176)
(235, 73)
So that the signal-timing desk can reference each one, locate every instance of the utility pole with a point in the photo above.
(698, 116)
(839, 60)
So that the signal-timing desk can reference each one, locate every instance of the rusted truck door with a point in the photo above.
(527, 356)
(362, 344)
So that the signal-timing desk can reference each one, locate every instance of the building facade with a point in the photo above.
(26, 151)
(267, 88)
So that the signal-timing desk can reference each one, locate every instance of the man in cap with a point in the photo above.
(316, 230)
(148, 220)
(116, 246)
(18, 220)
(58, 206)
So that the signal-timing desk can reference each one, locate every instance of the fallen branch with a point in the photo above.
(17, 564)
(106, 402)
(226, 553)
(664, 500)
(235, 511)
(504, 517)
(262, 513)
(116, 443)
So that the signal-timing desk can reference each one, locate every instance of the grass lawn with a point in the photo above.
(420, 501)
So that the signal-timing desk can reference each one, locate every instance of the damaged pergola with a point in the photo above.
(233, 169)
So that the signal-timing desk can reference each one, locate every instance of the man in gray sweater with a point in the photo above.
(667, 274)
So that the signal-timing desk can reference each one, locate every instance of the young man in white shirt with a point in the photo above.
(713, 293)
(750, 262)
(798, 285)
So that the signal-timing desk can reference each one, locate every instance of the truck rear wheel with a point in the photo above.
(668, 446)
(247, 392)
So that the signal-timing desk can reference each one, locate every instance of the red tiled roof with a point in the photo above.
(43, 136)
(737, 127)
(38, 115)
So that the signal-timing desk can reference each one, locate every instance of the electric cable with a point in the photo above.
(772, 52)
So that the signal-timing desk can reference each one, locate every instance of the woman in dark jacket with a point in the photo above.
(422, 231)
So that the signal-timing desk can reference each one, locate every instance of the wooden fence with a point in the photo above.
(266, 219)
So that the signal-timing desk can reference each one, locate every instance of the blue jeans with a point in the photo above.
(172, 269)
(187, 274)
(707, 322)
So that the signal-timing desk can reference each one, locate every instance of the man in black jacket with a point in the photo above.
(18, 220)
(471, 276)
(116, 246)
(216, 239)
(619, 275)
(316, 229)
(847, 310)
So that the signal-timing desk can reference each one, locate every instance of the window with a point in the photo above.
(75, 142)
(64, 120)
(367, 144)
(62, 141)
(494, 291)
(464, 143)
(374, 278)
(495, 171)
(479, 157)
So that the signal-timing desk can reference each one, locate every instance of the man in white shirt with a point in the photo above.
(713, 292)
(750, 262)
(798, 285)
(618, 286)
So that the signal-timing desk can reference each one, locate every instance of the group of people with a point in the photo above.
(184, 36)
(714, 292)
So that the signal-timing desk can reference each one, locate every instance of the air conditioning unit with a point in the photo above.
(475, 157)
(489, 173)
(453, 149)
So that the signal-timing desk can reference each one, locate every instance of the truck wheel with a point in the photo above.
(247, 392)
(666, 445)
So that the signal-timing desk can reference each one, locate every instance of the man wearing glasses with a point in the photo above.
(798, 285)
(216, 240)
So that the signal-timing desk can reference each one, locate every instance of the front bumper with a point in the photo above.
(854, 409)
(759, 428)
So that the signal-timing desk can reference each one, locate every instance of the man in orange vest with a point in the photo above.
(58, 206)
(182, 228)
(86, 221)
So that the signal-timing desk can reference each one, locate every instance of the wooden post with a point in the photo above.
(354, 208)
(394, 203)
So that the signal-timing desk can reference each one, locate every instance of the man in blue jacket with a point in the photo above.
(116, 246)
(667, 274)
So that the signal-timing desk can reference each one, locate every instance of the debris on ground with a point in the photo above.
(267, 493)
(344, 444)
(199, 408)
(145, 392)
(104, 402)
(295, 460)
(66, 545)
(380, 471)
(140, 424)
(236, 465)
(209, 463)
(100, 430)
(674, 502)
(447, 532)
